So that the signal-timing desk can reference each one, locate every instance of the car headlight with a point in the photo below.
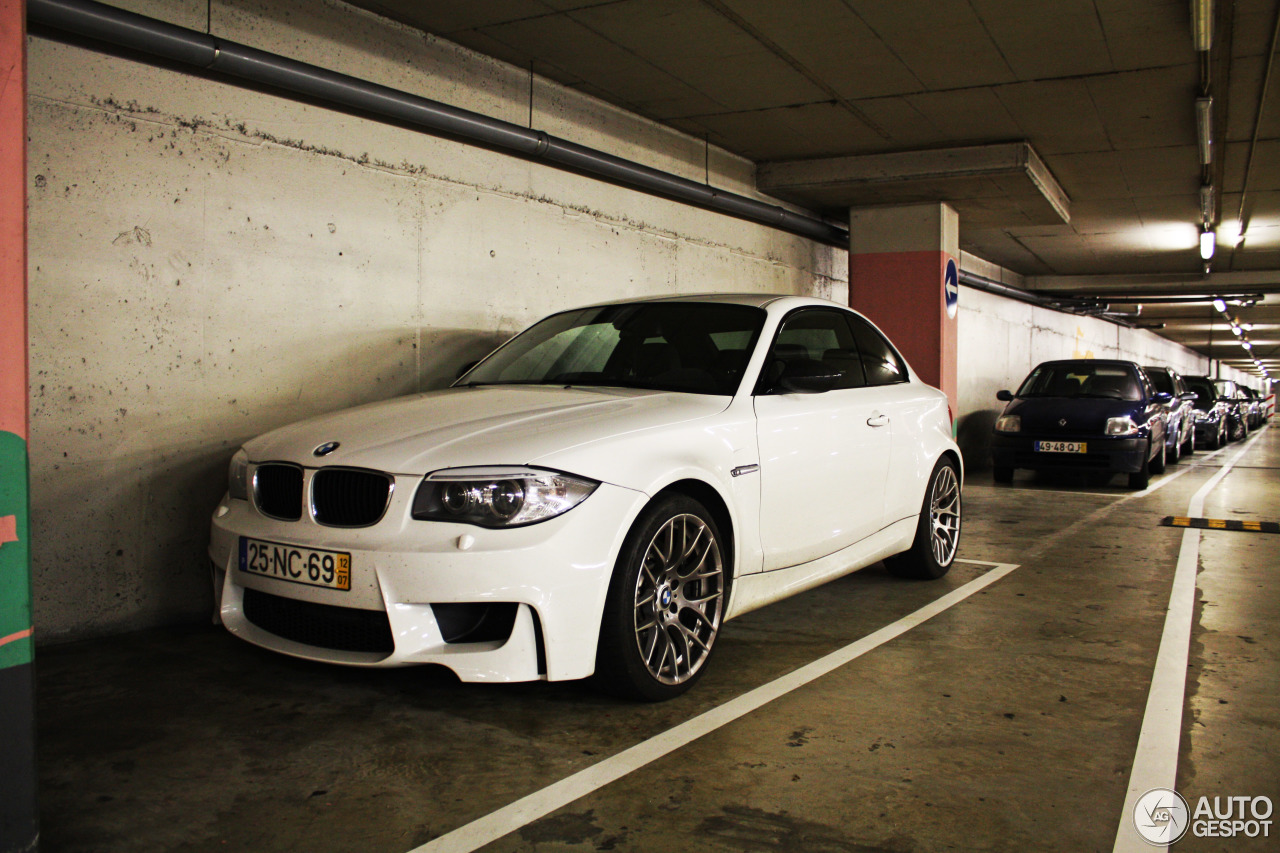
(1009, 423)
(1121, 426)
(498, 497)
(238, 476)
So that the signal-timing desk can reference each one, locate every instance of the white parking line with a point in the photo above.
(1164, 481)
(1155, 764)
(524, 811)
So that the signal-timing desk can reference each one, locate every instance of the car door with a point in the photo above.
(824, 457)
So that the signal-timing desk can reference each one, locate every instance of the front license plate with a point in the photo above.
(328, 569)
(1061, 446)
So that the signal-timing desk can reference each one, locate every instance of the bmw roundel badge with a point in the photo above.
(326, 448)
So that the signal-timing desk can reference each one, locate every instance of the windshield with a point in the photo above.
(1161, 379)
(1205, 393)
(696, 347)
(1081, 379)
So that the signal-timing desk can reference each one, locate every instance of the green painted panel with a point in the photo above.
(16, 644)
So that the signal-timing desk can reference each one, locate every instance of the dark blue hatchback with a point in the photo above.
(1083, 414)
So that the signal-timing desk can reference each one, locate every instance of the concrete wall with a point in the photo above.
(208, 262)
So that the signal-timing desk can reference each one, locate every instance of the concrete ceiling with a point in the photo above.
(1101, 91)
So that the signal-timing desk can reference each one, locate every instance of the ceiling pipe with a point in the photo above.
(159, 40)
(1158, 299)
(1083, 307)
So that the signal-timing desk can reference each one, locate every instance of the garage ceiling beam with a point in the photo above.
(1252, 282)
(1013, 170)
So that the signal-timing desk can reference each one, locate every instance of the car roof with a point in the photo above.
(1110, 362)
(754, 300)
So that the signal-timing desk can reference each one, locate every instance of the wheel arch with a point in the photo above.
(709, 496)
(955, 457)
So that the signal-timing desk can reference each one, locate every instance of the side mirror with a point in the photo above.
(1004, 396)
(1164, 398)
(806, 376)
(1189, 396)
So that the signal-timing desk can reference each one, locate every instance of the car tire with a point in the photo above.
(937, 538)
(1157, 463)
(1189, 443)
(665, 603)
(1141, 478)
(1175, 454)
(1001, 474)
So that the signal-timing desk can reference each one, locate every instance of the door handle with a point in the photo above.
(877, 420)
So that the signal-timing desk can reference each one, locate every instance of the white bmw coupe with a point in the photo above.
(598, 495)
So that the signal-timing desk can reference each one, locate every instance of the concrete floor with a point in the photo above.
(1007, 722)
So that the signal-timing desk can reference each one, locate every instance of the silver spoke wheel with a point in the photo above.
(679, 598)
(944, 515)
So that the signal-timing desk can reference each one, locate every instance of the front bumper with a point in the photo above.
(553, 575)
(1208, 430)
(1117, 455)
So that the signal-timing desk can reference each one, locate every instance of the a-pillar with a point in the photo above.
(904, 276)
(17, 704)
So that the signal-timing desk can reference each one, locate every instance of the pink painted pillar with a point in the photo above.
(903, 275)
(18, 826)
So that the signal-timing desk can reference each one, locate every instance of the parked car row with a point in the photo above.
(1113, 417)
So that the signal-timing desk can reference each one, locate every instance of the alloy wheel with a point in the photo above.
(679, 599)
(944, 515)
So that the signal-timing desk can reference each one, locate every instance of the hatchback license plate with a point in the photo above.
(328, 569)
(1061, 446)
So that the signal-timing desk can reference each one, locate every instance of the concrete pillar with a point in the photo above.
(903, 275)
(17, 699)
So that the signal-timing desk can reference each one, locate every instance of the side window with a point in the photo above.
(881, 364)
(817, 335)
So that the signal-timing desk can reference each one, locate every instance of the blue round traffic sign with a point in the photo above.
(951, 288)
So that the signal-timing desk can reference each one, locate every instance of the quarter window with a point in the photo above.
(880, 362)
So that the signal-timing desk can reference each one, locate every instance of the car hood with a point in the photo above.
(487, 425)
(1082, 414)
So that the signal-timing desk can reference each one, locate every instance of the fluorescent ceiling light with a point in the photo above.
(1207, 241)
(1230, 232)
(1220, 305)
(1246, 345)
(1204, 128)
(1235, 330)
